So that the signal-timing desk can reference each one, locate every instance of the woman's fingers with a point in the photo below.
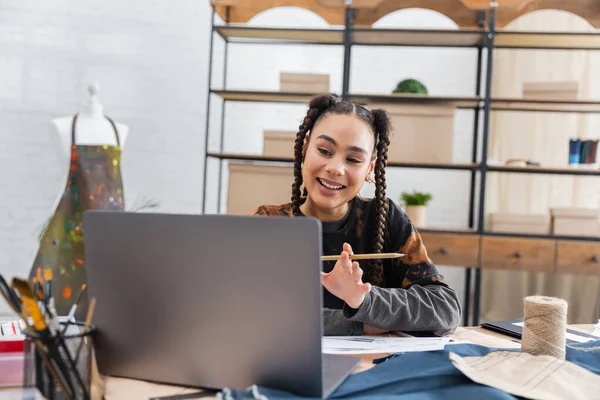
(357, 272)
(345, 260)
(346, 247)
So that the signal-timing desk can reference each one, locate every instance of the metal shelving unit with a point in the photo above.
(484, 40)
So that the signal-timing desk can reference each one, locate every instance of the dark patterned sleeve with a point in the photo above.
(260, 210)
(273, 210)
(414, 296)
(415, 268)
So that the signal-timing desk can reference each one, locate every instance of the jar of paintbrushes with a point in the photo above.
(60, 366)
(57, 351)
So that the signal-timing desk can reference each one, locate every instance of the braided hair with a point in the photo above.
(379, 122)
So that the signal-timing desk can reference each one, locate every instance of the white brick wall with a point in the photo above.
(151, 59)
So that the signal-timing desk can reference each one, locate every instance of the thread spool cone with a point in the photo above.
(545, 326)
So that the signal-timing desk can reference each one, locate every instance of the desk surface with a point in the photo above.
(118, 388)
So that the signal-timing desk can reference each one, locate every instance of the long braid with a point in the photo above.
(317, 107)
(382, 125)
(302, 130)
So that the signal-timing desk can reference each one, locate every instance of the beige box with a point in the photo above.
(253, 185)
(279, 143)
(563, 90)
(569, 221)
(422, 133)
(519, 223)
(303, 82)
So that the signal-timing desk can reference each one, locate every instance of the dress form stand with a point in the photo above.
(89, 143)
(92, 127)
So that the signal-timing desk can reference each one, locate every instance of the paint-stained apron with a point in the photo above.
(94, 183)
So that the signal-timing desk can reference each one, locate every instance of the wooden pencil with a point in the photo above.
(370, 256)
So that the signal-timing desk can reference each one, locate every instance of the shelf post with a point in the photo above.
(467, 299)
(221, 140)
(484, 148)
(348, 27)
(208, 95)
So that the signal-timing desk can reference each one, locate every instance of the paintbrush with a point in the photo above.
(86, 327)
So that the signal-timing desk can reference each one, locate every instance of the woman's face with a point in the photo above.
(338, 158)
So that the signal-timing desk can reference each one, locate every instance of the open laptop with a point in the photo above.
(210, 301)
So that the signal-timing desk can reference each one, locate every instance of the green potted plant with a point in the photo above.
(412, 86)
(415, 204)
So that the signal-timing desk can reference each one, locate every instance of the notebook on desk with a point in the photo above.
(210, 301)
(514, 328)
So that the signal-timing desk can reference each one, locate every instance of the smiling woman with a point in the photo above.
(339, 147)
(335, 170)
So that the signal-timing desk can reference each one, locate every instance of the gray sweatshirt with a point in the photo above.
(421, 308)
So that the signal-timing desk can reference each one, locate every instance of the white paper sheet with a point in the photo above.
(597, 329)
(574, 337)
(578, 338)
(532, 377)
(379, 345)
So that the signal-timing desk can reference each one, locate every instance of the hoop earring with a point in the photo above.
(369, 179)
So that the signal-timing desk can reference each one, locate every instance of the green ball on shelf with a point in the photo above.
(410, 86)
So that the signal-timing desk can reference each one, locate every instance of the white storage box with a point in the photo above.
(279, 143)
(561, 90)
(304, 82)
(519, 223)
(571, 221)
(252, 185)
(422, 133)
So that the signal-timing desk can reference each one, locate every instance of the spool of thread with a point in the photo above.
(545, 326)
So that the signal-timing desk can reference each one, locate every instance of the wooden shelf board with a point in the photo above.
(545, 170)
(360, 36)
(544, 105)
(547, 40)
(473, 231)
(249, 157)
(468, 167)
(298, 35)
(470, 102)
(540, 236)
(259, 157)
(414, 37)
(258, 96)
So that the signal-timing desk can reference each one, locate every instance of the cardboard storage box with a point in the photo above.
(303, 82)
(564, 90)
(252, 185)
(571, 221)
(519, 223)
(422, 133)
(279, 143)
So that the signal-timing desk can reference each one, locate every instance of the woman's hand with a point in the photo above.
(345, 280)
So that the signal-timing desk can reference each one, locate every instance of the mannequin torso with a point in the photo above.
(92, 128)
